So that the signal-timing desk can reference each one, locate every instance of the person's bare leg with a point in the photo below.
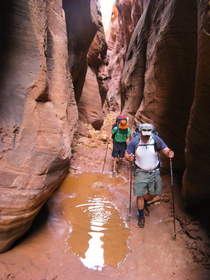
(119, 162)
(140, 202)
(114, 165)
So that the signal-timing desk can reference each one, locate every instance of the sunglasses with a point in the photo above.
(146, 130)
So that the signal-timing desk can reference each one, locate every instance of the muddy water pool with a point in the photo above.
(97, 234)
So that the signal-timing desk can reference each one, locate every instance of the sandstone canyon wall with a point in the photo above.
(196, 181)
(125, 16)
(158, 53)
(82, 20)
(164, 81)
(160, 70)
(95, 87)
(90, 105)
(38, 108)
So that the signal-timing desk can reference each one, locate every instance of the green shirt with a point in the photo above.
(121, 134)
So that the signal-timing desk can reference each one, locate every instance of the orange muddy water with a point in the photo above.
(97, 235)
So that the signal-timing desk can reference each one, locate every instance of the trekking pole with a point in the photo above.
(131, 184)
(105, 156)
(173, 200)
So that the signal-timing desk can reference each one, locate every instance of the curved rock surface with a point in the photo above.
(164, 81)
(160, 69)
(90, 105)
(44, 62)
(82, 20)
(125, 16)
(196, 181)
(97, 61)
(95, 88)
(38, 108)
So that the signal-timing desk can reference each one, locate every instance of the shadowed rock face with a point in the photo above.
(19, 60)
(82, 20)
(160, 70)
(86, 37)
(196, 181)
(95, 87)
(165, 82)
(97, 62)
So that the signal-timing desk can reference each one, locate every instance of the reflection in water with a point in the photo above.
(98, 235)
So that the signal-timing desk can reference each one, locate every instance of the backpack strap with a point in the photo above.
(153, 144)
(113, 134)
(145, 145)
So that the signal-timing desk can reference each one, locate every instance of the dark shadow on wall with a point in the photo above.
(6, 23)
(19, 58)
(201, 213)
(81, 30)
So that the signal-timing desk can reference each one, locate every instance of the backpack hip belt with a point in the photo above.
(147, 171)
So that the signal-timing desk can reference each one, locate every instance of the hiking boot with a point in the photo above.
(141, 221)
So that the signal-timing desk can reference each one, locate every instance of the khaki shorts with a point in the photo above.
(147, 183)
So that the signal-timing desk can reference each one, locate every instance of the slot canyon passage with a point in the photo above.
(68, 68)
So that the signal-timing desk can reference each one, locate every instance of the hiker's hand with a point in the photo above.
(129, 157)
(170, 154)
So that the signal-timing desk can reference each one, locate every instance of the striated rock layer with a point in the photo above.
(196, 181)
(125, 16)
(158, 78)
(165, 81)
(87, 46)
(38, 111)
(83, 21)
(97, 61)
(95, 88)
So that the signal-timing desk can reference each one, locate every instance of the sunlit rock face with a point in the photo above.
(90, 105)
(125, 16)
(196, 182)
(38, 111)
(159, 74)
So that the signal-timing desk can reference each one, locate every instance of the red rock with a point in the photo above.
(38, 107)
(196, 181)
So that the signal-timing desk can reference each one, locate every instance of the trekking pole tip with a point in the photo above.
(174, 236)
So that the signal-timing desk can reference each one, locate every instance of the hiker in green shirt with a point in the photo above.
(120, 134)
